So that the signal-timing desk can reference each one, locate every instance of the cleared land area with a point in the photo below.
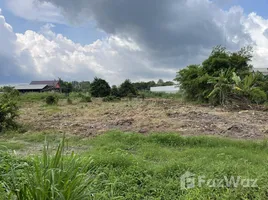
(150, 115)
(135, 150)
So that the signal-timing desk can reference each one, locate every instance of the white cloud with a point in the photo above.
(112, 58)
(257, 27)
(35, 10)
(133, 52)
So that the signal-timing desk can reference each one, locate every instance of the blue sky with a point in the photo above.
(258, 6)
(83, 34)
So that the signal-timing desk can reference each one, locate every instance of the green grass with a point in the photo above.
(34, 96)
(134, 166)
(149, 167)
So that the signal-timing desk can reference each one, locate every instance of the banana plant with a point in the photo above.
(222, 87)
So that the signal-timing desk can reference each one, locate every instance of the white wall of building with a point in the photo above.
(166, 89)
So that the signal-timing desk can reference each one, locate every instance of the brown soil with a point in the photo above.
(151, 115)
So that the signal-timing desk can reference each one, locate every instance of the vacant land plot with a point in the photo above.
(134, 150)
(151, 115)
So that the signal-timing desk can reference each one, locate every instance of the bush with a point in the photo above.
(86, 99)
(49, 177)
(257, 96)
(8, 113)
(194, 83)
(52, 100)
(195, 80)
(8, 109)
(111, 99)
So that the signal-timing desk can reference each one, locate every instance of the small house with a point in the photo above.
(52, 85)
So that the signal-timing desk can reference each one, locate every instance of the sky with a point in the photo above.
(116, 40)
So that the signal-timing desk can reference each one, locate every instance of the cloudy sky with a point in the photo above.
(120, 39)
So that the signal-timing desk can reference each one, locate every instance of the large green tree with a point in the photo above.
(100, 88)
(115, 91)
(127, 88)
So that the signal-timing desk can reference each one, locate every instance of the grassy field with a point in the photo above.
(157, 148)
(133, 166)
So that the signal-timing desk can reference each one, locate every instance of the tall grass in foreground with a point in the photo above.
(135, 166)
(49, 177)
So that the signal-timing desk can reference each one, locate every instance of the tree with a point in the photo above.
(160, 82)
(212, 79)
(83, 86)
(193, 82)
(141, 86)
(127, 88)
(114, 91)
(100, 88)
(220, 59)
(222, 87)
(168, 83)
(66, 87)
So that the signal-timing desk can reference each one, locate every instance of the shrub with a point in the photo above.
(52, 100)
(111, 99)
(257, 96)
(86, 99)
(195, 80)
(50, 177)
(8, 113)
(194, 84)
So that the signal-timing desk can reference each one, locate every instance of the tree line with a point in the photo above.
(101, 88)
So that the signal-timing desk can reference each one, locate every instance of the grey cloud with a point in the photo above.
(166, 30)
(10, 71)
(265, 33)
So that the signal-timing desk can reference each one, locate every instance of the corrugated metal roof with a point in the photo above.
(29, 87)
(50, 83)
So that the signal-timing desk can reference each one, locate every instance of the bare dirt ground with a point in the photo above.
(150, 115)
